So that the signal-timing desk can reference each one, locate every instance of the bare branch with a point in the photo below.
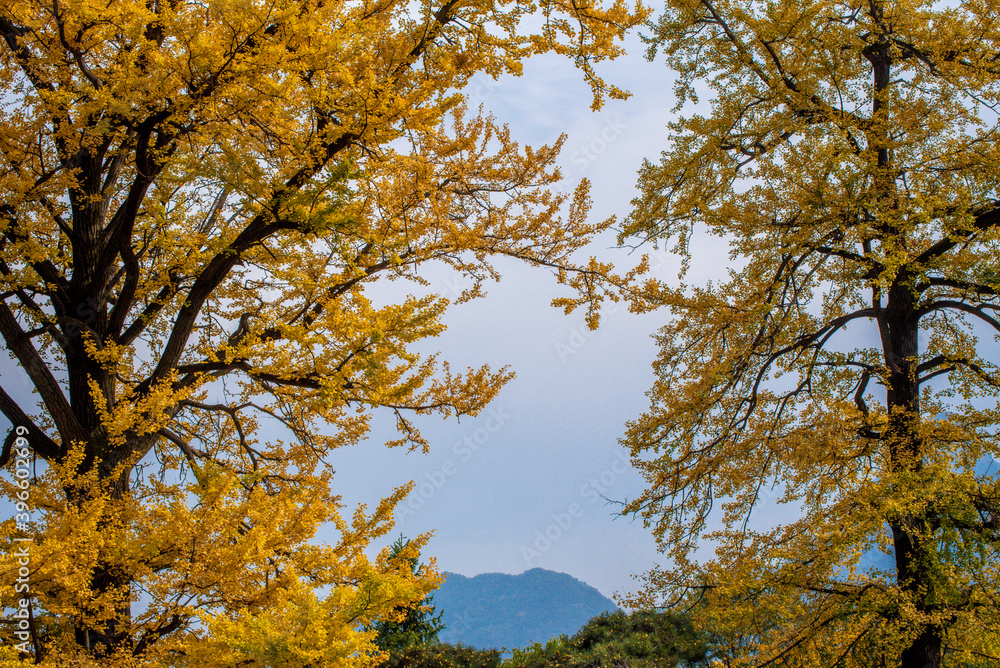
(58, 406)
(977, 311)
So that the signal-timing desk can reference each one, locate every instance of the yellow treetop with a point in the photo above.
(847, 364)
(193, 199)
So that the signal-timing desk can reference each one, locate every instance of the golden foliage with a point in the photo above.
(195, 196)
(847, 365)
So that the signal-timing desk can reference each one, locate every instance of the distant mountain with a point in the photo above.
(496, 610)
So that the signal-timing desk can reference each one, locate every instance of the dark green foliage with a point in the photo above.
(642, 639)
(555, 652)
(646, 638)
(418, 628)
(444, 656)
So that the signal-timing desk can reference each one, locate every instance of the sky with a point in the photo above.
(537, 479)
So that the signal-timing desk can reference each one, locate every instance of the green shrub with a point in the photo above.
(443, 655)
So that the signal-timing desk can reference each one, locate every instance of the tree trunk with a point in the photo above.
(899, 328)
(911, 532)
(86, 323)
(926, 650)
(90, 321)
(106, 635)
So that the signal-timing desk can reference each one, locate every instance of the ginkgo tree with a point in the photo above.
(847, 365)
(194, 197)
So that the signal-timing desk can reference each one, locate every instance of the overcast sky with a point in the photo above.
(525, 484)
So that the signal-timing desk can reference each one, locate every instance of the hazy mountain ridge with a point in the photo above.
(497, 610)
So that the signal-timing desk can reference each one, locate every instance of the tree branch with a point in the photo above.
(58, 406)
(977, 311)
(38, 440)
(986, 219)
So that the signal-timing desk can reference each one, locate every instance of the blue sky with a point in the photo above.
(533, 481)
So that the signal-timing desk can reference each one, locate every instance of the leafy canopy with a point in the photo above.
(194, 197)
(444, 655)
(847, 364)
(641, 639)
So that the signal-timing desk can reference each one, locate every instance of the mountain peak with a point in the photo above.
(499, 610)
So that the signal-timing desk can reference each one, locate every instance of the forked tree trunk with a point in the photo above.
(899, 328)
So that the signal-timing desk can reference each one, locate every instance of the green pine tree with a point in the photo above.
(422, 622)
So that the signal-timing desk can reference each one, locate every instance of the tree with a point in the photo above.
(444, 655)
(847, 365)
(417, 625)
(641, 639)
(195, 197)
